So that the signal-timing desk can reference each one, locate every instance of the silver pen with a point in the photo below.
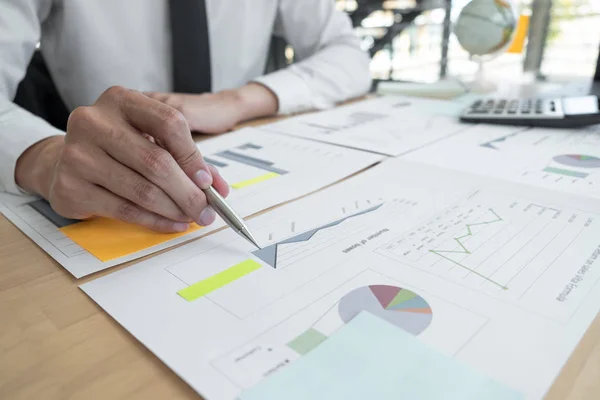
(221, 207)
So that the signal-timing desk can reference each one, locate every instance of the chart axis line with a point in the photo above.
(469, 269)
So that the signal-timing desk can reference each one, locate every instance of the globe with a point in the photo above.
(485, 28)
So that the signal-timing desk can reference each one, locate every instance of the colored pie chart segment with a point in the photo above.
(578, 160)
(399, 306)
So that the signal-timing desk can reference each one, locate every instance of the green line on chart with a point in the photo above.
(469, 233)
(466, 251)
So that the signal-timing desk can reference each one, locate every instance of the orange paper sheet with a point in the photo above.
(108, 239)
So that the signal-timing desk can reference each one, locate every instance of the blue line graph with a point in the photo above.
(493, 144)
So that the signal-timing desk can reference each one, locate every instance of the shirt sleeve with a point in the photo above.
(20, 30)
(331, 66)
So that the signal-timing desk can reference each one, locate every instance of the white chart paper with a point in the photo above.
(390, 125)
(265, 169)
(557, 159)
(500, 276)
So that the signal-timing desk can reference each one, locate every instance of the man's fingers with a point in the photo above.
(156, 164)
(112, 206)
(160, 96)
(74, 197)
(168, 126)
(174, 163)
(218, 181)
(126, 183)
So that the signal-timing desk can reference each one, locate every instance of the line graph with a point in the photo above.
(353, 120)
(269, 254)
(566, 161)
(382, 125)
(490, 242)
(496, 144)
(464, 250)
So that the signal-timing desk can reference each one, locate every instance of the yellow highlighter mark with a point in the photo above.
(254, 181)
(108, 239)
(219, 280)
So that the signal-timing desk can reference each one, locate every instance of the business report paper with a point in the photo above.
(390, 125)
(500, 276)
(263, 170)
(567, 160)
(369, 358)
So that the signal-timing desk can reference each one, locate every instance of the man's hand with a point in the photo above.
(127, 157)
(219, 112)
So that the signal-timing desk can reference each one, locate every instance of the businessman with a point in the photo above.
(139, 76)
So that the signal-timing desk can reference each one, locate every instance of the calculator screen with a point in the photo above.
(580, 105)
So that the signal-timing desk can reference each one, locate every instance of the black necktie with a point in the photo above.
(190, 46)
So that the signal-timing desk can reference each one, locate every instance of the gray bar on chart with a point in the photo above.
(43, 207)
(216, 163)
(253, 162)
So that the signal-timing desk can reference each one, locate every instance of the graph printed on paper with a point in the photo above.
(285, 262)
(302, 331)
(286, 252)
(40, 217)
(567, 170)
(563, 159)
(491, 242)
(385, 125)
(536, 138)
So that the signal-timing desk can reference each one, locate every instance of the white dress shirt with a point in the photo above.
(90, 45)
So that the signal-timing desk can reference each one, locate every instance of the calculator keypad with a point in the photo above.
(515, 108)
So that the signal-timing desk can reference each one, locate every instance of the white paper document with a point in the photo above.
(263, 169)
(390, 125)
(559, 159)
(500, 276)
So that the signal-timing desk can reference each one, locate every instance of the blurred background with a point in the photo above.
(412, 40)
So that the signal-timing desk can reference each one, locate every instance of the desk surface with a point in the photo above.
(56, 343)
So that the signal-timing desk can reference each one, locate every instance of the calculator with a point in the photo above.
(559, 112)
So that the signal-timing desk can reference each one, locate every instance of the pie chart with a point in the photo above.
(401, 307)
(578, 160)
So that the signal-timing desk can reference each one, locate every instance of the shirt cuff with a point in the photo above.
(291, 90)
(19, 130)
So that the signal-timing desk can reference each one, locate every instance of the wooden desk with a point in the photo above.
(56, 343)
